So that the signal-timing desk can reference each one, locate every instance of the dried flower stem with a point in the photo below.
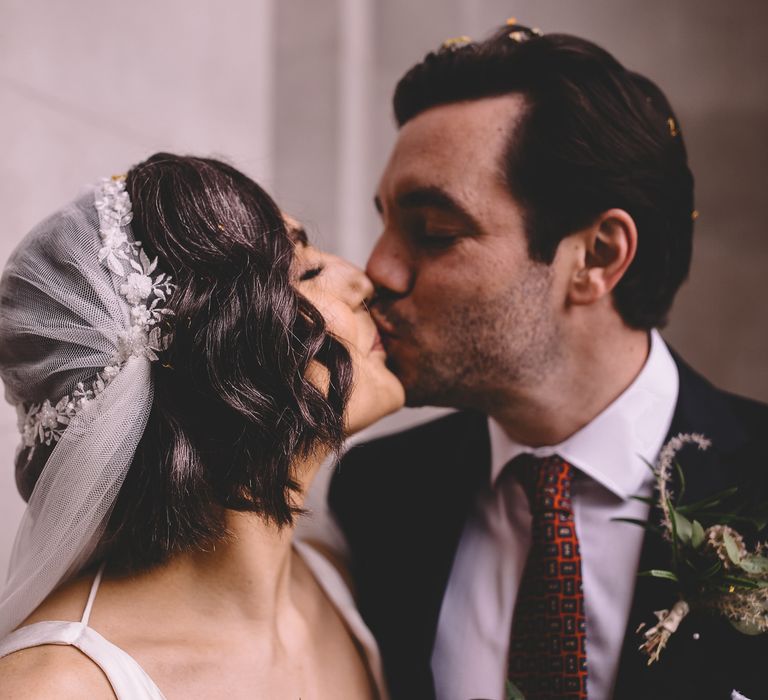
(656, 637)
(664, 468)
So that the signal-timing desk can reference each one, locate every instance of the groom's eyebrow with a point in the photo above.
(435, 198)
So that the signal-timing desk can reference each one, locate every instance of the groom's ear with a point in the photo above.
(603, 252)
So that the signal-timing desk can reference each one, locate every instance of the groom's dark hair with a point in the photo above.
(593, 136)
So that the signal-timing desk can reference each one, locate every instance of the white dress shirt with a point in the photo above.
(470, 655)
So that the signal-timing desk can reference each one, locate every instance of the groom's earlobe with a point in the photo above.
(609, 246)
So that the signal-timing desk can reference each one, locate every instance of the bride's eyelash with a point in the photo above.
(311, 273)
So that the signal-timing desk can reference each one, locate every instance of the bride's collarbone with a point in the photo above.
(306, 651)
(311, 654)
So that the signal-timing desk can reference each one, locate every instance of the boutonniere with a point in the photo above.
(712, 567)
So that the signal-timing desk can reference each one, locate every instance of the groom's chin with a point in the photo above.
(419, 393)
(417, 377)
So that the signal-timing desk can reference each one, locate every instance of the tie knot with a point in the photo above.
(546, 481)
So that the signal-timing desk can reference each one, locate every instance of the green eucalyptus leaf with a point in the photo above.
(683, 527)
(697, 534)
(759, 516)
(644, 499)
(673, 522)
(513, 692)
(723, 518)
(712, 570)
(709, 502)
(648, 464)
(680, 476)
(744, 627)
(754, 564)
(731, 548)
(659, 573)
(645, 524)
(741, 582)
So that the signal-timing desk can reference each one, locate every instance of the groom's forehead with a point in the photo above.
(459, 125)
(451, 142)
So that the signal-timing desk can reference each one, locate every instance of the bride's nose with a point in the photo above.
(359, 284)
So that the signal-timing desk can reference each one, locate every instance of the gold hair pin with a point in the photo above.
(520, 35)
(672, 124)
(456, 42)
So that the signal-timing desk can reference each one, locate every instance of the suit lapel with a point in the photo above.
(464, 467)
(404, 567)
(700, 409)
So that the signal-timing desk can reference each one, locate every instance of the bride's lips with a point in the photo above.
(378, 345)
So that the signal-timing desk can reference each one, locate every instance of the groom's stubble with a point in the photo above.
(470, 320)
(475, 351)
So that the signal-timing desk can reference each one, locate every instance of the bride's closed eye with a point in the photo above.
(311, 273)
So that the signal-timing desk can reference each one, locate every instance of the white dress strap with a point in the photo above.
(331, 581)
(128, 680)
(92, 595)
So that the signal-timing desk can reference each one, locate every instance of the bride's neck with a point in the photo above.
(248, 575)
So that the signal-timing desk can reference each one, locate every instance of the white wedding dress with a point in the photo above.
(130, 682)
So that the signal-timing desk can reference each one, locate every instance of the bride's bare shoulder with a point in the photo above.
(52, 671)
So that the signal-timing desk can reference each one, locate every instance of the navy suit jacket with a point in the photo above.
(402, 502)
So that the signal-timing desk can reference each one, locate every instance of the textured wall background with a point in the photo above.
(296, 93)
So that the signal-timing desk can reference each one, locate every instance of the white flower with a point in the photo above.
(49, 418)
(141, 315)
(134, 343)
(115, 242)
(81, 396)
(29, 432)
(113, 237)
(137, 288)
(110, 372)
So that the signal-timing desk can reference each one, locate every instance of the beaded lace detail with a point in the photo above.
(145, 293)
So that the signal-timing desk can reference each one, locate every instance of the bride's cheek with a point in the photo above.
(319, 375)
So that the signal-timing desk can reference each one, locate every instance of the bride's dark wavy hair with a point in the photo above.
(233, 409)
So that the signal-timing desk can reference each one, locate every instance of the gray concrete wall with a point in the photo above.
(296, 93)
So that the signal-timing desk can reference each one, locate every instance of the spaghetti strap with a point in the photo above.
(129, 681)
(92, 596)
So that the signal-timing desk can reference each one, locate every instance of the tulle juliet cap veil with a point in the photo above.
(82, 317)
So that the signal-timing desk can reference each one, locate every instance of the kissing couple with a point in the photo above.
(183, 360)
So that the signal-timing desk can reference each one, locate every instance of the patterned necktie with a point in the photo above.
(547, 655)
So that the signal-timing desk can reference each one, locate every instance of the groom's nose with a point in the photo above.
(389, 265)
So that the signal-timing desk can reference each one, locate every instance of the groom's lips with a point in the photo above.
(386, 329)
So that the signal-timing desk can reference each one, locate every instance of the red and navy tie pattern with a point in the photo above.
(548, 655)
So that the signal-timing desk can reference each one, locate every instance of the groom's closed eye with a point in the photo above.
(431, 233)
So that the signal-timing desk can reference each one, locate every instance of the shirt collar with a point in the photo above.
(614, 447)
